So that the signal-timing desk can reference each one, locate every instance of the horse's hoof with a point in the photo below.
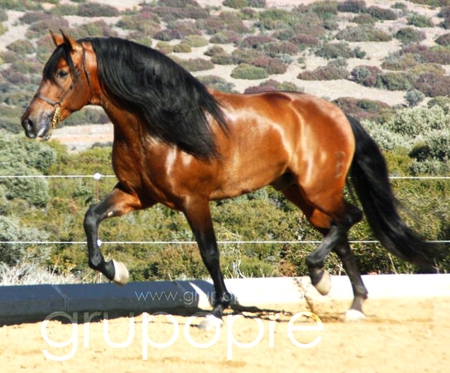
(324, 285)
(210, 322)
(354, 315)
(121, 275)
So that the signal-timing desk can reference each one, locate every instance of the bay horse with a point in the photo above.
(182, 145)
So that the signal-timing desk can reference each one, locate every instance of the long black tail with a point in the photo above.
(369, 177)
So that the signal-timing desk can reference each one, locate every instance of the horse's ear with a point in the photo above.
(57, 39)
(72, 43)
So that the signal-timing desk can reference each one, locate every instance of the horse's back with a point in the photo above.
(275, 133)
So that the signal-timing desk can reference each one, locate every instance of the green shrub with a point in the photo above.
(216, 82)
(9, 115)
(196, 41)
(273, 85)
(178, 3)
(309, 24)
(88, 115)
(94, 29)
(256, 3)
(409, 127)
(93, 9)
(418, 20)
(20, 5)
(324, 73)
(426, 68)
(225, 37)
(402, 62)
(362, 109)
(215, 50)
(3, 15)
(441, 101)
(246, 55)
(256, 42)
(352, 6)
(27, 66)
(248, 72)
(196, 64)
(400, 6)
(16, 150)
(167, 35)
(335, 50)
(223, 59)
(182, 47)
(363, 33)
(361, 74)
(236, 4)
(171, 14)
(186, 28)
(393, 81)
(280, 48)
(164, 47)
(32, 17)
(414, 97)
(382, 14)
(143, 22)
(12, 254)
(364, 19)
(326, 10)
(64, 10)
(33, 190)
(409, 35)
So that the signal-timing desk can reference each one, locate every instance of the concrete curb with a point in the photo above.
(36, 302)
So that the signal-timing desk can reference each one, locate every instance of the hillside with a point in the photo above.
(308, 59)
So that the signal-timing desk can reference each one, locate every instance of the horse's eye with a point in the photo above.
(61, 74)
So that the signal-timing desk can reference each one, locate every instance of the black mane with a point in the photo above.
(170, 102)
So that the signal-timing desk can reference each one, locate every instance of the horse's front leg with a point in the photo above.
(199, 218)
(117, 203)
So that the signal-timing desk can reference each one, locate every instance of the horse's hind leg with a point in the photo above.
(116, 203)
(335, 229)
(359, 290)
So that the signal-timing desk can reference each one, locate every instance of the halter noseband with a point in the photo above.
(56, 118)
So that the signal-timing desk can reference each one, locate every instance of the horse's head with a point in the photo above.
(65, 88)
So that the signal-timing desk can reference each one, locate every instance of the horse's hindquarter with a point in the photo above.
(276, 133)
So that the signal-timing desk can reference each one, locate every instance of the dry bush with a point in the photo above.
(324, 73)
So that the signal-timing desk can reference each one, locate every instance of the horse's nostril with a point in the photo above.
(27, 124)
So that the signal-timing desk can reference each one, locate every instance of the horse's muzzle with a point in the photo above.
(36, 126)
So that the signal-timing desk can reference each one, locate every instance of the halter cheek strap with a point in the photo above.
(56, 118)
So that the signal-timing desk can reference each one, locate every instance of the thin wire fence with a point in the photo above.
(98, 176)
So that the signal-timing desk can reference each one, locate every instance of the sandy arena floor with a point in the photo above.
(407, 335)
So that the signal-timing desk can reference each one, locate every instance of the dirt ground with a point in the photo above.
(405, 335)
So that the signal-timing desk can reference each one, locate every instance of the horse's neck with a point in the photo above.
(125, 123)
